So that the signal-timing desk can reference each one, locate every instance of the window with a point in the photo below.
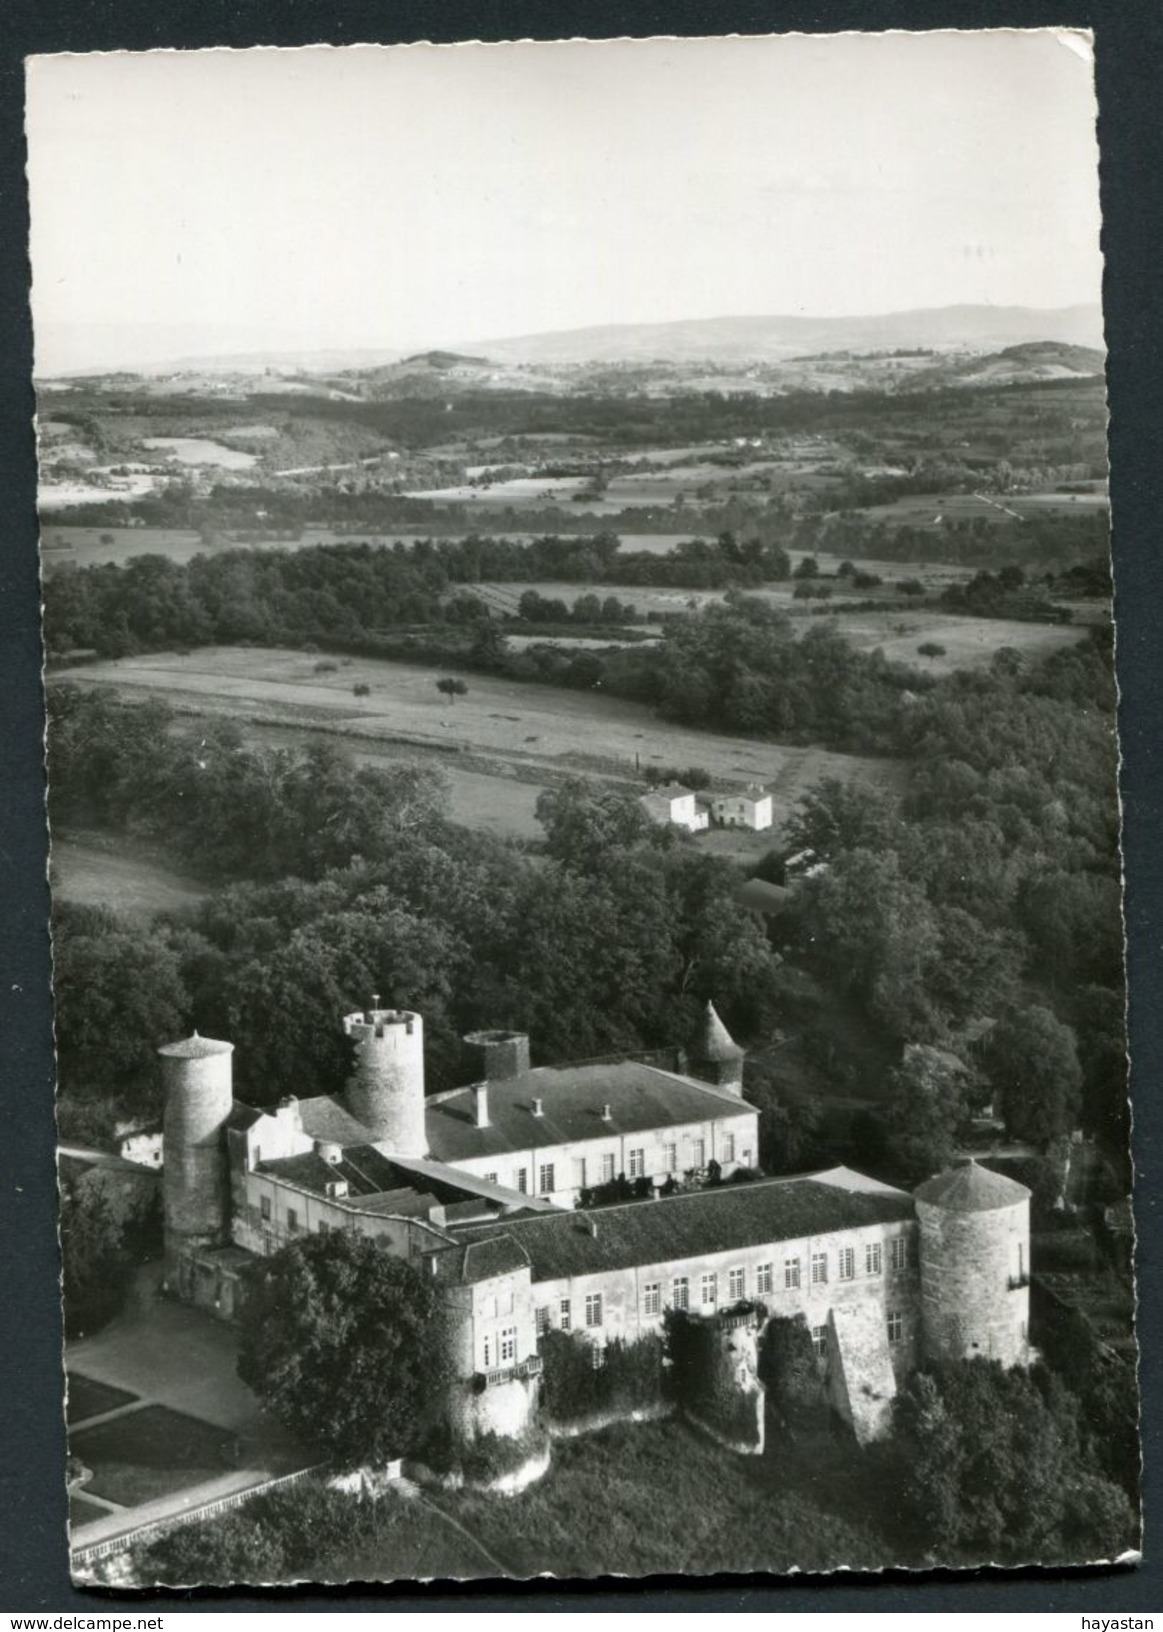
(523, 1180)
(872, 1263)
(736, 1284)
(607, 1169)
(680, 1293)
(819, 1268)
(637, 1164)
(698, 1153)
(542, 1321)
(898, 1249)
(579, 1172)
(566, 1317)
(652, 1298)
(791, 1273)
(488, 1353)
(670, 1158)
(820, 1340)
(710, 1290)
(728, 1147)
(489, 1307)
(264, 1207)
(896, 1326)
(508, 1345)
(545, 1182)
(492, 1178)
(745, 1159)
(593, 1308)
(292, 1219)
(763, 1278)
(324, 1226)
(847, 1263)
(505, 1300)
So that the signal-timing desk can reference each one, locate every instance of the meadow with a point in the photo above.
(502, 728)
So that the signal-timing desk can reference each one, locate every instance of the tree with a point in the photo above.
(451, 688)
(1031, 1061)
(344, 1344)
(930, 648)
(926, 1111)
(585, 826)
(993, 1467)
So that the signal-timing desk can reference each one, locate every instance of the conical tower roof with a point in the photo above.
(968, 1188)
(195, 1048)
(712, 1040)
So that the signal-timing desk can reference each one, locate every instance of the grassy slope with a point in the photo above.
(661, 1499)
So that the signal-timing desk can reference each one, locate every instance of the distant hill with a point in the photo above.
(774, 339)
(444, 359)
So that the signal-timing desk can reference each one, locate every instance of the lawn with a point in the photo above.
(150, 1453)
(91, 1399)
(96, 870)
(83, 1512)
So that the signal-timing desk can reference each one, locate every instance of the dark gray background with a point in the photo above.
(1129, 36)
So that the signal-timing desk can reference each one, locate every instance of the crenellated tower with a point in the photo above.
(385, 1090)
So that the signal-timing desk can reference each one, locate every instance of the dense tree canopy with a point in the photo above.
(342, 1342)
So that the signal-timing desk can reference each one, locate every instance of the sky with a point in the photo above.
(406, 197)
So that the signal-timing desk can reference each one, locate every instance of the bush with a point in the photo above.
(362, 691)
(627, 1376)
(790, 1371)
(324, 667)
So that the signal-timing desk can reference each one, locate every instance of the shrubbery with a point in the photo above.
(627, 1378)
(703, 1375)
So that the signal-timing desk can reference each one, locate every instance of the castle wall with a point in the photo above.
(862, 1369)
(732, 1140)
(975, 1282)
(892, 1292)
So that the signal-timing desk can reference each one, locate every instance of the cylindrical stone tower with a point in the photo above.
(199, 1095)
(495, 1056)
(975, 1265)
(386, 1088)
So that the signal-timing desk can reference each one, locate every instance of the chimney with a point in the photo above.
(592, 1227)
(607, 1113)
(537, 1108)
(480, 1095)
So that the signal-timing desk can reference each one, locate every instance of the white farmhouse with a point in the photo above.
(743, 807)
(674, 804)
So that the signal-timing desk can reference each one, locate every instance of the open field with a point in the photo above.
(524, 730)
(929, 510)
(96, 870)
(970, 643)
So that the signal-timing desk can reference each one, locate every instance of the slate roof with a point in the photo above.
(572, 1098)
(468, 1262)
(696, 1225)
(970, 1188)
(195, 1048)
(380, 1182)
(325, 1117)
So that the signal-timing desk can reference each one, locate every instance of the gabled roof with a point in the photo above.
(712, 1040)
(327, 1118)
(970, 1188)
(572, 1100)
(702, 1223)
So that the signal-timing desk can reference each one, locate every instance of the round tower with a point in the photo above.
(386, 1088)
(713, 1055)
(975, 1265)
(199, 1095)
(496, 1056)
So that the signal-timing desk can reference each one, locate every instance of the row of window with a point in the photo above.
(592, 1170)
(500, 1349)
(680, 1285)
(652, 1305)
(895, 1323)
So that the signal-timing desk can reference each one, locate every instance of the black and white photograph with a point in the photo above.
(587, 923)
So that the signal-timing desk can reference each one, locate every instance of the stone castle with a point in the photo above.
(477, 1187)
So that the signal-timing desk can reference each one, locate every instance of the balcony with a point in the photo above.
(1017, 1282)
(532, 1367)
